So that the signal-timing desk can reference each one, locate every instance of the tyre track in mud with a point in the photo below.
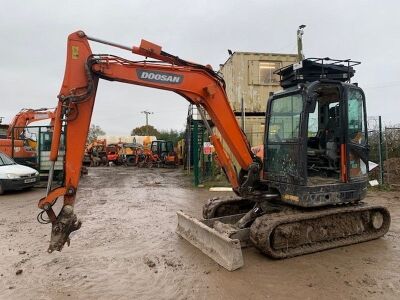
(127, 249)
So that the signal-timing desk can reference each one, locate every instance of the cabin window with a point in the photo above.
(266, 72)
(356, 128)
(284, 123)
(283, 136)
(262, 72)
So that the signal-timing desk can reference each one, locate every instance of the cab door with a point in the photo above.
(356, 137)
(284, 145)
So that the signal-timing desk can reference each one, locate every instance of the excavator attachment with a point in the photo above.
(65, 223)
(224, 247)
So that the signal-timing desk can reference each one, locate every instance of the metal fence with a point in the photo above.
(392, 156)
(384, 155)
(384, 142)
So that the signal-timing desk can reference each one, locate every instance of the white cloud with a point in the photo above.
(33, 36)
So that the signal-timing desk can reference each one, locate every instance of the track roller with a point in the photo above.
(283, 235)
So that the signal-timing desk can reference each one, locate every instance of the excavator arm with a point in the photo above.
(27, 116)
(199, 84)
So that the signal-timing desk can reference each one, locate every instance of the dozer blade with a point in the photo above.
(222, 248)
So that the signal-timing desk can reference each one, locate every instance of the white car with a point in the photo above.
(14, 176)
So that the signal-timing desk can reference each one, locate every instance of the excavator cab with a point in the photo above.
(315, 155)
(165, 151)
(316, 139)
(159, 147)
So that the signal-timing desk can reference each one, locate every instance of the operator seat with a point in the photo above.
(332, 132)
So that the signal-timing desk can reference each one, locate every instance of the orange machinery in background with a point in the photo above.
(17, 144)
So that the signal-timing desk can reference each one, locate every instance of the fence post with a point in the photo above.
(189, 144)
(38, 149)
(381, 180)
(12, 142)
(196, 153)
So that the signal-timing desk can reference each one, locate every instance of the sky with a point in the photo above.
(33, 38)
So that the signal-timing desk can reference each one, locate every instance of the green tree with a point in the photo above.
(145, 130)
(94, 132)
(171, 135)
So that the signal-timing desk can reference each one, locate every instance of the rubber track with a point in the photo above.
(262, 230)
(210, 209)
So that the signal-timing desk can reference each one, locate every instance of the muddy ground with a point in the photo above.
(127, 249)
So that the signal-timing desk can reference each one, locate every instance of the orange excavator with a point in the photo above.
(26, 116)
(165, 152)
(17, 144)
(305, 196)
(160, 154)
(96, 153)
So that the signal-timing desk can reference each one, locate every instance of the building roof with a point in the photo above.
(257, 53)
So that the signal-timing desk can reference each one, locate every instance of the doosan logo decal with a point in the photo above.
(155, 76)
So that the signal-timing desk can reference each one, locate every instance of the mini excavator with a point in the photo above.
(27, 116)
(304, 196)
(21, 148)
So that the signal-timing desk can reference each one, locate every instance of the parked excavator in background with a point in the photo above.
(96, 154)
(160, 154)
(121, 153)
(165, 153)
(19, 151)
(305, 196)
(19, 143)
(130, 154)
(112, 151)
(17, 128)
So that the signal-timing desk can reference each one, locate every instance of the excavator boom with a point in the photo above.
(198, 84)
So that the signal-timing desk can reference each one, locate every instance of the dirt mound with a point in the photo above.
(392, 172)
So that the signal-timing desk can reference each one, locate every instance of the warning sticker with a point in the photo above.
(75, 52)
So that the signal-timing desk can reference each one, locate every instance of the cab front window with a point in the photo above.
(356, 124)
(283, 135)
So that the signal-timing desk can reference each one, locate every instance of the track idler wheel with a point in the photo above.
(221, 207)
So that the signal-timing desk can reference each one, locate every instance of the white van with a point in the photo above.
(14, 176)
